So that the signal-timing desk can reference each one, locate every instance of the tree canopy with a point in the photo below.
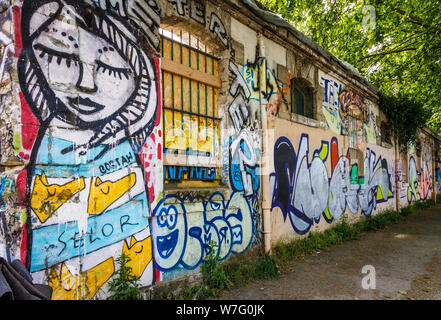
(395, 44)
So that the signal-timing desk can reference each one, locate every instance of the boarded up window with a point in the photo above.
(354, 130)
(190, 90)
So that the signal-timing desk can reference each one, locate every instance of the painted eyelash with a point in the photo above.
(59, 56)
(112, 70)
(69, 58)
(59, 59)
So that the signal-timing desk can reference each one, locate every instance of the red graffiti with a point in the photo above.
(23, 245)
(150, 157)
(21, 186)
(334, 153)
(426, 183)
(29, 127)
(17, 28)
(151, 153)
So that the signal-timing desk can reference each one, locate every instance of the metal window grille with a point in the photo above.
(190, 90)
(353, 129)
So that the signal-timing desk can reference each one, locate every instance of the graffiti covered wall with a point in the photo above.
(315, 180)
(421, 179)
(85, 137)
(161, 129)
(92, 93)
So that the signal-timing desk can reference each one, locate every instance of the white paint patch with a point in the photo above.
(246, 36)
(275, 54)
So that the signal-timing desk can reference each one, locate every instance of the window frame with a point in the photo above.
(385, 133)
(202, 111)
(308, 97)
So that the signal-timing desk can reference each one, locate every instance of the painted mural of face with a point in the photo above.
(85, 72)
(85, 67)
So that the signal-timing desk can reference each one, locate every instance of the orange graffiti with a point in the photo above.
(282, 91)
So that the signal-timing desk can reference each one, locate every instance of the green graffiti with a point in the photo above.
(323, 154)
(355, 178)
(17, 143)
(354, 174)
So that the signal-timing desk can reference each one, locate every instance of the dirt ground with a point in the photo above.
(406, 257)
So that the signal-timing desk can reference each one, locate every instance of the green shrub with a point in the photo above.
(243, 272)
(125, 286)
(213, 272)
(406, 211)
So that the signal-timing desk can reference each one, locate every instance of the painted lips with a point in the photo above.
(85, 106)
(167, 244)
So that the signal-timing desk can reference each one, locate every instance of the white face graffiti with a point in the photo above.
(169, 230)
(85, 72)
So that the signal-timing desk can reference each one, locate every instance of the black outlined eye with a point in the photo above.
(112, 70)
(59, 56)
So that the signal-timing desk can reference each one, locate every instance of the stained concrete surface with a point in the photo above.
(406, 257)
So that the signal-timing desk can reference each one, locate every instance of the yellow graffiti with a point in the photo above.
(183, 132)
(47, 198)
(198, 184)
(332, 118)
(380, 195)
(66, 286)
(103, 194)
(140, 254)
(326, 212)
(411, 148)
(371, 136)
(260, 80)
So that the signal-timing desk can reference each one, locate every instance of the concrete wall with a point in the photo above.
(418, 170)
(84, 133)
(317, 180)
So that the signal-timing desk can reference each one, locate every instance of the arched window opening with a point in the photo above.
(302, 98)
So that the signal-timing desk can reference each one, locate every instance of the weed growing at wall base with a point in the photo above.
(220, 275)
(244, 272)
(125, 286)
(283, 253)
(214, 274)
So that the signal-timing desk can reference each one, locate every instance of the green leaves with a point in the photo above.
(404, 116)
(397, 47)
(213, 271)
(125, 285)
